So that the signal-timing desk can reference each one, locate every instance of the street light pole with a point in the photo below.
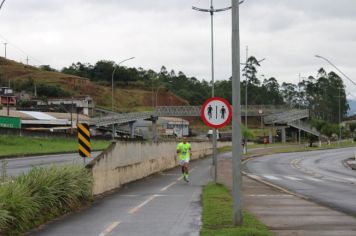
(328, 61)
(112, 91)
(211, 11)
(236, 116)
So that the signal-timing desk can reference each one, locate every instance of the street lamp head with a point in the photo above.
(317, 56)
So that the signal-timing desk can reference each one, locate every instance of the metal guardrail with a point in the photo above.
(285, 117)
(189, 111)
(304, 126)
(121, 118)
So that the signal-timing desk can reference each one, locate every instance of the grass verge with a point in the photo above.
(217, 215)
(284, 148)
(41, 195)
(21, 146)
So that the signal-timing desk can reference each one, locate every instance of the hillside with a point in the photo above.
(23, 77)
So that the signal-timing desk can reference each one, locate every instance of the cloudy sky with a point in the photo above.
(168, 32)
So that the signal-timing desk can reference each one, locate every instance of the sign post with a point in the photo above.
(84, 140)
(216, 113)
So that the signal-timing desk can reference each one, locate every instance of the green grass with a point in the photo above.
(217, 215)
(19, 146)
(294, 147)
(41, 195)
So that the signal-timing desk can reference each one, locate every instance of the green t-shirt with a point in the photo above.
(184, 152)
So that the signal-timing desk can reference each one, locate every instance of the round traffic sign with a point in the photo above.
(216, 112)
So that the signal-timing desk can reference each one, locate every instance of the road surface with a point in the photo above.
(160, 205)
(16, 166)
(319, 175)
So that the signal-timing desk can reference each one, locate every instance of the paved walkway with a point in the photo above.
(284, 213)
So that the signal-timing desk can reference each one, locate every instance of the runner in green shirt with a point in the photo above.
(184, 153)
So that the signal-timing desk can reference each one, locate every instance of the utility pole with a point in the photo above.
(236, 116)
(340, 115)
(246, 89)
(5, 44)
(299, 110)
(27, 59)
(212, 10)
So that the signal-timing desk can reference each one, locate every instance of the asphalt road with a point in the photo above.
(159, 205)
(319, 175)
(16, 166)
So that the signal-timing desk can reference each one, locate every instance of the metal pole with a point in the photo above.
(299, 110)
(246, 97)
(246, 89)
(112, 92)
(211, 11)
(236, 116)
(215, 163)
(5, 49)
(339, 116)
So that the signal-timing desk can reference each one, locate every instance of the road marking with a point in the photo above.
(292, 178)
(313, 179)
(168, 186)
(352, 180)
(129, 195)
(110, 228)
(271, 177)
(135, 209)
(270, 195)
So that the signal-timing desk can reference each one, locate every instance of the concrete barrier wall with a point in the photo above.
(124, 162)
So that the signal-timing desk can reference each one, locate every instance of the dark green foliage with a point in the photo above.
(47, 68)
(51, 91)
(41, 195)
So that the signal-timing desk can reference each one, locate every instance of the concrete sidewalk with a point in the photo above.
(284, 213)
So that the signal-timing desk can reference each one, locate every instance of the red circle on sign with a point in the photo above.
(206, 121)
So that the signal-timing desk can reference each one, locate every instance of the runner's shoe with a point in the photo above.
(186, 178)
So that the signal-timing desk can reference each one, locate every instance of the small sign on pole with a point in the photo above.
(84, 140)
(216, 112)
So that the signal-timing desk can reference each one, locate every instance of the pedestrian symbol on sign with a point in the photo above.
(216, 112)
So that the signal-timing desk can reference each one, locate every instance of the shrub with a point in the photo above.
(41, 195)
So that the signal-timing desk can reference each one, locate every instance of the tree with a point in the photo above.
(290, 94)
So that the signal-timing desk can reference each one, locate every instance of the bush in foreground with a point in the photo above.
(41, 195)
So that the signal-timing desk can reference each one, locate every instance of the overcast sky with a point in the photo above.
(288, 33)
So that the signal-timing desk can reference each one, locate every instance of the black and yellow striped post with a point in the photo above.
(84, 140)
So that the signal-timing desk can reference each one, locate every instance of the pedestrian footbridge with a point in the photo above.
(273, 116)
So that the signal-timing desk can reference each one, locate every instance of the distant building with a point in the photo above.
(82, 105)
(7, 97)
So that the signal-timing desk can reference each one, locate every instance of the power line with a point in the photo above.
(2, 4)
(19, 49)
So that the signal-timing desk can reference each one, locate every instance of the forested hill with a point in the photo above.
(320, 94)
(137, 88)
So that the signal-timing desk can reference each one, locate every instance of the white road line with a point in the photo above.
(135, 209)
(292, 178)
(313, 179)
(271, 177)
(168, 186)
(110, 228)
(352, 180)
(270, 195)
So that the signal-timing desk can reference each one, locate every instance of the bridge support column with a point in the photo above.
(270, 136)
(132, 129)
(284, 140)
(154, 128)
(113, 131)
